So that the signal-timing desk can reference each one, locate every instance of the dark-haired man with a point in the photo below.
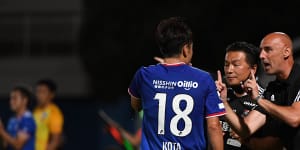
(48, 117)
(180, 102)
(20, 134)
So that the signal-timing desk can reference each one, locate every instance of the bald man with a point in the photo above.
(281, 98)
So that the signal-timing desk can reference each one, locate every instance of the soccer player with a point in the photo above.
(282, 96)
(241, 58)
(20, 134)
(180, 102)
(48, 117)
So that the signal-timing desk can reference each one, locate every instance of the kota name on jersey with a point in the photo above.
(171, 146)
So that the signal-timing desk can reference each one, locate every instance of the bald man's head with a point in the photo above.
(280, 37)
(277, 54)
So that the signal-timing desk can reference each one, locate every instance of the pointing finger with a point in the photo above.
(219, 76)
(159, 59)
(252, 75)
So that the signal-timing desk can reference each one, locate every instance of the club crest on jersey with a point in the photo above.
(187, 85)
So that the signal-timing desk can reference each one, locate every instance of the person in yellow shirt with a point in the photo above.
(48, 116)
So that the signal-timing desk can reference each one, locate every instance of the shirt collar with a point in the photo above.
(174, 64)
(293, 76)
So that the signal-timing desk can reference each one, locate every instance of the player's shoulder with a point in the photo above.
(27, 114)
(28, 117)
(37, 112)
(54, 108)
(199, 71)
(149, 69)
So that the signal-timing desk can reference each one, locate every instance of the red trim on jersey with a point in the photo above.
(216, 114)
(175, 64)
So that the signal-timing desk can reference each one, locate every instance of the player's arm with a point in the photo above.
(248, 125)
(215, 134)
(289, 114)
(236, 122)
(17, 142)
(213, 111)
(136, 103)
(54, 142)
(134, 91)
(56, 126)
(243, 127)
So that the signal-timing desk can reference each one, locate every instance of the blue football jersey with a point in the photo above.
(176, 100)
(24, 124)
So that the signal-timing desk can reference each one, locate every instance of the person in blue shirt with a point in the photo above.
(20, 133)
(180, 102)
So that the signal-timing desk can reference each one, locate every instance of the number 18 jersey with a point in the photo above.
(176, 100)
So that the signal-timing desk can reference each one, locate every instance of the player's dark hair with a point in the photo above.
(25, 93)
(251, 52)
(49, 83)
(171, 35)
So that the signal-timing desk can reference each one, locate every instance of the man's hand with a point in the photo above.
(235, 135)
(221, 87)
(159, 59)
(1, 127)
(251, 87)
(108, 119)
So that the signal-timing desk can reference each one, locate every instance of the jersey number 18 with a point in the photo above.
(179, 114)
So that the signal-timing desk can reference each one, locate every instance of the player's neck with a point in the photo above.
(20, 113)
(173, 61)
(44, 105)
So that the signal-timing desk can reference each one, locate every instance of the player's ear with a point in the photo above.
(254, 68)
(186, 49)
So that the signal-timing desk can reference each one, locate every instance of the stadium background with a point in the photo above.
(92, 49)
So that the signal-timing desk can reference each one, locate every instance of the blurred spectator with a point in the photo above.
(21, 128)
(48, 117)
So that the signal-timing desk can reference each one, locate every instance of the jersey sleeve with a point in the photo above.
(56, 121)
(134, 86)
(27, 126)
(214, 106)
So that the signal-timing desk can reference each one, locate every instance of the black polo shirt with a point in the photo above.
(242, 106)
(285, 93)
